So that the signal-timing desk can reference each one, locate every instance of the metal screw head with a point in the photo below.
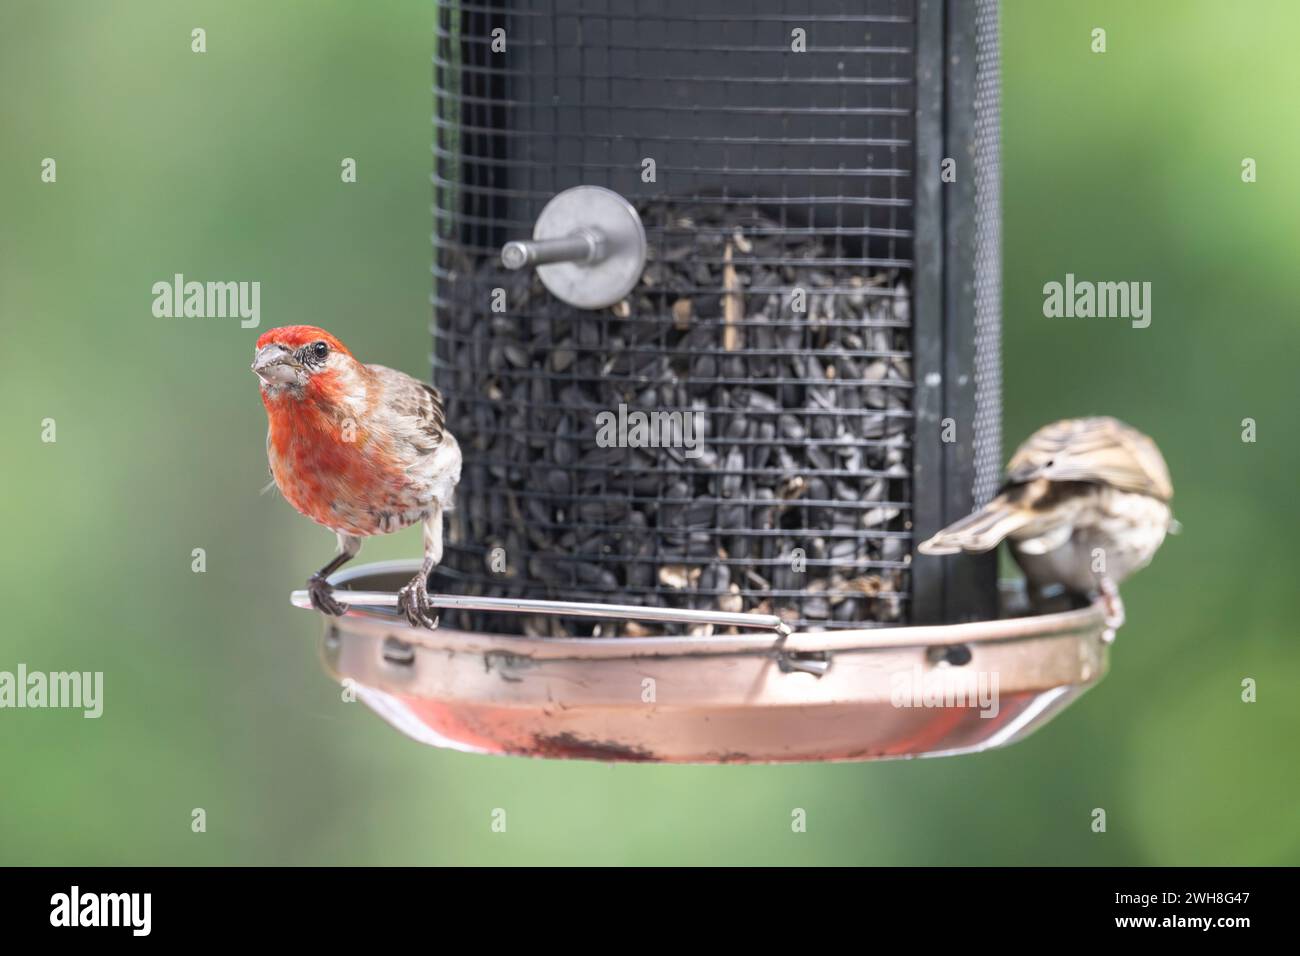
(514, 255)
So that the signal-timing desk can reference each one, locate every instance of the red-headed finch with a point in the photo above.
(1084, 505)
(360, 449)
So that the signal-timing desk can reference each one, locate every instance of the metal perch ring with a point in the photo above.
(744, 698)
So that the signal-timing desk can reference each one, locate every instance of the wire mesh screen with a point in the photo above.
(987, 254)
(736, 434)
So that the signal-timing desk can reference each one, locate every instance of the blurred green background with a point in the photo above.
(1119, 166)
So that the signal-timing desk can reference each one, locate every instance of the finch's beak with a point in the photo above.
(274, 365)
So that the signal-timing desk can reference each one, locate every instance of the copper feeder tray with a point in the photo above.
(762, 697)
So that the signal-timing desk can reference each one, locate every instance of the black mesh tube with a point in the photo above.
(774, 160)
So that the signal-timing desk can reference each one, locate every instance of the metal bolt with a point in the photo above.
(584, 246)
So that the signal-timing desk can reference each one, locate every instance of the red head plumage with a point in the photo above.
(296, 336)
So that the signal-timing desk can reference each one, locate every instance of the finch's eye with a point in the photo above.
(319, 351)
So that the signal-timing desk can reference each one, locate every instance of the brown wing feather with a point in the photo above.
(983, 530)
(1093, 449)
(411, 398)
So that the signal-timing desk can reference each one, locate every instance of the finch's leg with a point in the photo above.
(413, 600)
(319, 589)
(1113, 604)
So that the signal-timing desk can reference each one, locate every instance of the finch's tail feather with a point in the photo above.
(983, 530)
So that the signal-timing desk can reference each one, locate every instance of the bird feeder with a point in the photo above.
(717, 322)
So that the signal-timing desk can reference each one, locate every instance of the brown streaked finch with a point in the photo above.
(1084, 505)
(360, 449)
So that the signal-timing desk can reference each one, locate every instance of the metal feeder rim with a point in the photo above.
(1060, 624)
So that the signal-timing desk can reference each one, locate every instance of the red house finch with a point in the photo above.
(1084, 505)
(361, 449)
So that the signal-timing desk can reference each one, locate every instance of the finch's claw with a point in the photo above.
(318, 590)
(413, 601)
